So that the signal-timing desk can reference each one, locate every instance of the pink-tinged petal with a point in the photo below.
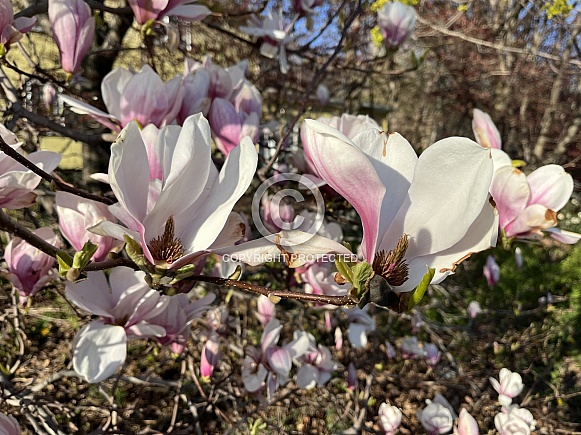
(233, 231)
(534, 217)
(83, 108)
(550, 186)
(145, 330)
(150, 135)
(234, 179)
(122, 278)
(394, 160)
(210, 356)
(279, 360)
(270, 335)
(253, 378)
(448, 192)
(225, 123)
(467, 425)
(45, 160)
(299, 345)
(144, 98)
(307, 376)
(483, 234)
(110, 229)
(9, 425)
(24, 24)
(567, 237)
(190, 12)
(92, 294)
(295, 247)
(347, 170)
(510, 191)
(112, 89)
(129, 181)
(145, 10)
(99, 350)
(485, 131)
(175, 95)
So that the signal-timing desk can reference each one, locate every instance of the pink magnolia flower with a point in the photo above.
(131, 96)
(528, 205)
(28, 266)
(152, 10)
(9, 425)
(16, 181)
(522, 413)
(491, 271)
(276, 36)
(229, 126)
(474, 309)
(509, 387)
(410, 348)
(73, 27)
(317, 365)
(467, 425)
(389, 418)
(276, 213)
(266, 310)
(76, 215)
(432, 355)
(396, 22)
(177, 221)
(360, 324)
(12, 30)
(210, 356)
(246, 98)
(511, 424)
(485, 131)
(269, 366)
(413, 209)
(319, 279)
(436, 419)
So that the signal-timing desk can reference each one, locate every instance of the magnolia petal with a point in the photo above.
(92, 294)
(467, 425)
(357, 334)
(485, 131)
(307, 376)
(550, 186)
(347, 170)
(300, 345)
(190, 12)
(99, 350)
(279, 360)
(233, 231)
(83, 108)
(563, 236)
(110, 229)
(500, 159)
(270, 335)
(448, 192)
(534, 217)
(511, 193)
(112, 89)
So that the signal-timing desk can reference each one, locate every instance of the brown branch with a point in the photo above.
(7, 224)
(9, 151)
(283, 294)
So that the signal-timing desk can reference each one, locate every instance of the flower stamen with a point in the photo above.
(391, 265)
(167, 247)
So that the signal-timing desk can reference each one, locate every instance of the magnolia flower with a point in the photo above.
(123, 305)
(76, 215)
(510, 424)
(317, 365)
(210, 356)
(12, 30)
(177, 221)
(396, 22)
(265, 310)
(131, 96)
(152, 10)
(246, 98)
(509, 387)
(485, 131)
(417, 213)
(491, 271)
(522, 413)
(16, 181)
(436, 419)
(319, 279)
(73, 27)
(528, 205)
(28, 266)
(410, 348)
(432, 355)
(9, 425)
(269, 366)
(360, 324)
(229, 126)
(351, 376)
(389, 418)
(275, 34)
(276, 213)
(467, 425)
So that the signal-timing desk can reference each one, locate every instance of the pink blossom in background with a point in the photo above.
(491, 271)
(276, 35)
(485, 131)
(389, 418)
(474, 309)
(16, 181)
(152, 10)
(12, 30)
(432, 355)
(193, 217)
(436, 419)
(265, 310)
(76, 215)
(396, 22)
(509, 387)
(393, 191)
(210, 356)
(467, 425)
(360, 324)
(134, 96)
(28, 266)
(229, 126)
(317, 364)
(73, 27)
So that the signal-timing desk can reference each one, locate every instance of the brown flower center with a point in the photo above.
(391, 265)
(167, 247)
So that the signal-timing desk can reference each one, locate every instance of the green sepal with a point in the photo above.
(418, 293)
(236, 274)
(82, 258)
(362, 274)
(183, 273)
(65, 262)
(135, 253)
(344, 269)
